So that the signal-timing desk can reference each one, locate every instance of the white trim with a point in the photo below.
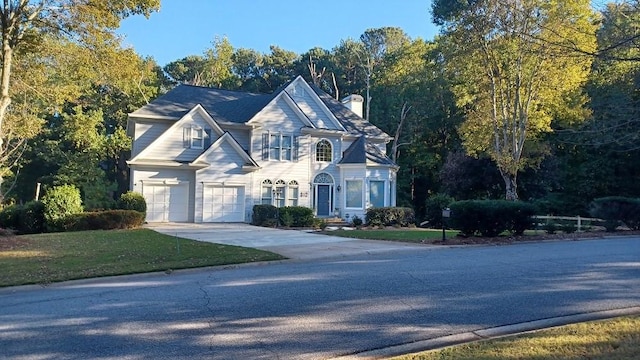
(178, 124)
(315, 152)
(228, 138)
(314, 97)
(303, 118)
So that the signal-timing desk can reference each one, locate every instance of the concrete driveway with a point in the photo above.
(294, 244)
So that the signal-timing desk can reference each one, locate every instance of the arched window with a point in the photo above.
(292, 198)
(267, 186)
(323, 151)
(323, 178)
(280, 193)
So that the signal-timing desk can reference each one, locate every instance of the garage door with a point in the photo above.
(167, 202)
(223, 204)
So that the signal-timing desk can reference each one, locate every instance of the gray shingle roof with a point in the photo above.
(240, 107)
(362, 151)
(222, 105)
(353, 123)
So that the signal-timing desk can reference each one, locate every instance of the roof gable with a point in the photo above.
(177, 126)
(310, 104)
(226, 138)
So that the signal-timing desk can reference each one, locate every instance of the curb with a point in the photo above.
(487, 334)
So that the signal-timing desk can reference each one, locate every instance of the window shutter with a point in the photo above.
(207, 138)
(296, 148)
(265, 146)
(186, 137)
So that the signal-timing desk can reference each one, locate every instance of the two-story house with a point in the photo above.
(208, 155)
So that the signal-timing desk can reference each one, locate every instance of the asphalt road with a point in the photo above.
(320, 309)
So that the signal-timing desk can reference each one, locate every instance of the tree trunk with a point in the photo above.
(511, 186)
(5, 98)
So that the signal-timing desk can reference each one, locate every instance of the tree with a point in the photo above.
(376, 44)
(515, 71)
(25, 25)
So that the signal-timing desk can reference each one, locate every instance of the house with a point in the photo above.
(209, 155)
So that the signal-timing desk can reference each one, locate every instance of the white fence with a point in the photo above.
(580, 221)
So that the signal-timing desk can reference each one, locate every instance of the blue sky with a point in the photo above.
(187, 27)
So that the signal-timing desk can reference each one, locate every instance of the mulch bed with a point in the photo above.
(504, 240)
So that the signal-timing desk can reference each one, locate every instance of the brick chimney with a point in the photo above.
(354, 103)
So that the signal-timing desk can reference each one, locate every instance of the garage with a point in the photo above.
(166, 201)
(223, 203)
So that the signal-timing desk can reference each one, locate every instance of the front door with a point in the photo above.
(324, 200)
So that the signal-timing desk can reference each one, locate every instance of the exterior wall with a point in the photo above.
(242, 137)
(173, 147)
(226, 168)
(140, 175)
(145, 133)
(353, 172)
(312, 109)
(330, 168)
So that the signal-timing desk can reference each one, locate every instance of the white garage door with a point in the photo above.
(167, 202)
(223, 204)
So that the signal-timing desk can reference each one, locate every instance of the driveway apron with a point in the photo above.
(293, 244)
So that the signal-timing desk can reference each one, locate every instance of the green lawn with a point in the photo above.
(406, 235)
(599, 340)
(44, 258)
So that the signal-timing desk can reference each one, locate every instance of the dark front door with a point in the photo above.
(324, 200)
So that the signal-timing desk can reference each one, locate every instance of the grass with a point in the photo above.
(404, 235)
(598, 340)
(45, 258)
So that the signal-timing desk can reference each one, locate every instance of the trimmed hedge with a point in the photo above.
(491, 217)
(60, 202)
(103, 220)
(264, 215)
(132, 201)
(433, 209)
(297, 216)
(390, 216)
(25, 219)
(616, 210)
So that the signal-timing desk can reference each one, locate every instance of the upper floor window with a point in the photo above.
(323, 151)
(194, 137)
(276, 146)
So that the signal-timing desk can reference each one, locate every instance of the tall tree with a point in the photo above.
(376, 44)
(24, 24)
(516, 71)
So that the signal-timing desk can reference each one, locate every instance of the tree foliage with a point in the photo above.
(514, 72)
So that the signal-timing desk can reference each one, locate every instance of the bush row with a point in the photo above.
(491, 217)
(269, 215)
(616, 211)
(390, 216)
(61, 210)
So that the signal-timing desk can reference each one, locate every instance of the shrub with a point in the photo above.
(433, 209)
(132, 201)
(389, 216)
(31, 218)
(615, 210)
(9, 217)
(550, 227)
(568, 227)
(102, 220)
(298, 216)
(356, 221)
(491, 217)
(59, 202)
(263, 213)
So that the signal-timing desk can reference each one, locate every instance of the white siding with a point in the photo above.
(145, 133)
(173, 147)
(226, 168)
(315, 113)
(241, 136)
(353, 172)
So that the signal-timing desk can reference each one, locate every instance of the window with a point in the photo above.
(280, 193)
(376, 193)
(292, 196)
(278, 147)
(197, 138)
(354, 194)
(323, 151)
(267, 186)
